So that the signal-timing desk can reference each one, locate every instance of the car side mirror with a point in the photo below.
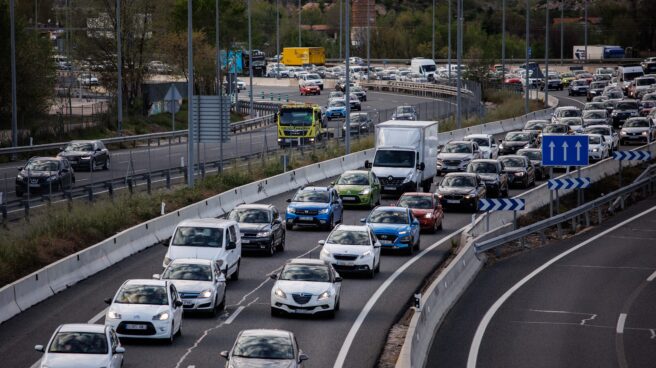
(363, 220)
(39, 348)
(332, 183)
(367, 164)
(108, 301)
(178, 303)
(156, 276)
(274, 276)
(421, 166)
(119, 350)
(338, 278)
(322, 242)
(302, 357)
(225, 354)
(231, 245)
(19, 168)
(289, 200)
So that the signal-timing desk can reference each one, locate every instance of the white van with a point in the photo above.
(626, 74)
(425, 67)
(214, 239)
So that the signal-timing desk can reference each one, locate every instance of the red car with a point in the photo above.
(309, 89)
(425, 207)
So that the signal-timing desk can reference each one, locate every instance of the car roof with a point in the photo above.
(267, 332)
(462, 173)
(527, 150)
(355, 172)
(47, 158)
(478, 136)
(84, 141)
(459, 141)
(513, 156)
(207, 222)
(485, 160)
(255, 206)
(315, 189)
(198, 261)
(352, 227)
(81, 327)
(150, 282)
(308, 261)
(422, 194)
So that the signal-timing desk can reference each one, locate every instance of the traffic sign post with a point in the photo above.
(630, 156)
(502, 204)
(565, 150)
(566, 183)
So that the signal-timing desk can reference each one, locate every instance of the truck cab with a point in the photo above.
(299, 124)
(424, 67)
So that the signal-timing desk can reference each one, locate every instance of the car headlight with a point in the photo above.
(263, 234)
(408, 178)
(20, 177)
(366, 254)
(622, 133)
(280, 294)
(324, 211)
(470, 196)
(113, 315)
(52, 178)
(85, 158)
(519, 173)
(167, 260)
(402, 233)
(365, 191)
(635, 113)
(325, 252)
(325, 295)
(428, 215)
(291, 210)
(644, 133)
(161, 316)
(595, 150)
(206, 293)
(614, 113)
(500, 146)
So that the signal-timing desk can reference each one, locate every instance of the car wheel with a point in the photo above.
(107, 164)
(179, 332)
(92, 164)
(331, 224)
(281, 246)
(289, 226)
(377, 269)
(371, 273)
(235, 275)
(221, 306)
(418, 245)
(409, 250)
(169, 340)
(275, 312)
(271, 250)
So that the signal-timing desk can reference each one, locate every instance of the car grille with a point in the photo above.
(453, 196)
(634, 134)
(248, 235)
(307, 212)
(391, 181)
(346, 257)
(302, 298)
(452, 162)
(184, 295)
(386, 237)
(150, 329)
(295, 132)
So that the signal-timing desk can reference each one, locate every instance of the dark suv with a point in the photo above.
(622, 110)
(44, 174)
(261, 228)
(87, 154)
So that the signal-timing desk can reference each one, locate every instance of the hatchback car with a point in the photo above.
(82, 345)
(520, 170)
(637, 130)
(517, 140)
(360, 123)
(336, 109)
(44, 174)
(456, 155)
(595, 117)
(306, 286)
(535, 155)
(405, 112)
(608, 132)
(314, 206)
(352, 248)
(493, 176)
(425, 207)
(358, 187)
(261, 228)
(598, 148)
(565, 112)
(265, 348)
(486, 144)
(395, 227)
(578, 87)
(622, 110)
(149, 309)
(87, 154)
(461, 190)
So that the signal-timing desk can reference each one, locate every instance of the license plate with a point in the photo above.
(385, 241)
(348, 198)
(187, 302)
(34, 186)
(343, 263)
(245, 241)
(453, 201)
(452, 167)
(306, 218)
(390, 188)
(131, 326)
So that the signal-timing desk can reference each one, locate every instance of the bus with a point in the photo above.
(299, 124)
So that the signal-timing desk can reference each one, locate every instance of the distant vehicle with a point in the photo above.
(554, 83)
(82, 345)
(355, 102)
(87, 154)
(360, 123)
(607, 131)
(578, 87)
(593, 106)
(300, 124)
(604, 71)
(461, 190)
(298, 56)
(639, 130)
(425, 207)
(336, 109)
(396, 228)
(520, 170)
(405, 112)
(335, 94)
(311, 79)
(514, 141)
(626, 74)
(352, 249)
(492, 174)
(598, 52)
(565, 112)
(535, 156)
(557, 128)
(360, 92)
(314, 206)
(261, 228)
(598, 148)
(640, 86)
(423, 67)
(158, 67)
(261, 347)
(595, 117)
(623, 110)
(486, 144)
(309, 89)
(306, 286)
(456, 155)
(44, 174)
(596, 89)
(567, 78)
(358, 187)
(535, 125)
(147, 309)
(88, 79)
(575, 124)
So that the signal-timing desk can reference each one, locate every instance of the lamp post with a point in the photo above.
(119, 67)
(459, 71)
(250, 62)
(503, 42)
(562, 30)
(433, 31)
(369, 40)
(347, 87)
(586, 29)
(527, 59)
(14, 111)
(546, 58)
(299, 22)
(449, 36)
(190, 97)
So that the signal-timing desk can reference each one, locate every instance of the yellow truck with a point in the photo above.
(299, 124)
(299, 56)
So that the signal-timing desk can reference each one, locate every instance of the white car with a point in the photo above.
(598, 148)
(199, 282)
(82, 346)
(575, 124)
(311, 79)
(148, 309)
(565, 112)
(486, 144)
(638, 130)
(352, 248)
(241, 85)
(607, 131)
(306, 286)
(214, 239)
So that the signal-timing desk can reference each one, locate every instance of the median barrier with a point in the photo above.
(332, 167)
(229, 200)
(8, 306)
(210, 207)
(64, 273)
(165, 225)
(32, 289)
(278, 184)
(315, 173)
(251, 193)
(142, 236)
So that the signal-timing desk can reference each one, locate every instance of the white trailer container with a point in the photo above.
(406, 155)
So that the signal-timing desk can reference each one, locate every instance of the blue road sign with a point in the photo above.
(632, 155)
(568, 183)
(565, 150)
(501, 204)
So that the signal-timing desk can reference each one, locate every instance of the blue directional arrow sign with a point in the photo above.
(501, 204)
(568, 183)
(632, 155)
(565, 150)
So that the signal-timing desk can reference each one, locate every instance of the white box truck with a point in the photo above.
(425, 67)
(406, 155)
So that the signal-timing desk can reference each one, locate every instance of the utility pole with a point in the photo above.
(219, 79)
(526, 109)
(586, 29)
(347, 87)
(277, 38)
(341, 37)
(299, 22)
(449, 36)
(36, 11)
(190, 97)
(250, 63)
(503, 42)
(119, 68)
(546, 57)
(459, 71)
(433, 41)
(369, 40)
(562, 30)
(14, 108)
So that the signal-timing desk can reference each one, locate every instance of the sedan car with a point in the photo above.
(607, 131)
(44, 174)
(86, 154)
(358, 187)
(578, 87)
(461, 190)
(456, 155)
(638, 130)
(352, 248)
(395, 227)
(306, 286)
(493, 176)
(261, 228)
(622, 110)
(565, 112)
(486, 144)
(594, 106)
(82, 345)
(517, 140)
(265, 348)
(360, 123)
(595, 117)
(355, 102)
(360, 92)
(535, 155)
(336, 109)
(314, 206)
(148, 309)
(575, 124)
(199, 282)
(535, 125)
(598, 148)
(309, 89)
(596, 89)
(405, 112)
(425, 207)
(520, 170)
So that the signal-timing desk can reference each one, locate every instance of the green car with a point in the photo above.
(358, 188)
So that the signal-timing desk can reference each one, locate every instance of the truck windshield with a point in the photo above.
(296, 117)
(428, 68)
(394, 159)
(632, 75)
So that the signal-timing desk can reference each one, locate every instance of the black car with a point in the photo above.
(493, 176)
(596, 89)
(86, 154)
(622, 110)
(535, 155)
(44, 174)
(360, 92)
(360, 123)
(461, 190)
(517, 140)
(520, 170)
(405, 112)
(261, 228)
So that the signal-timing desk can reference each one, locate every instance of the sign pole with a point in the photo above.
(578, 194)
(620, 171)
(487, 221)
(551, 203)
(514, 220)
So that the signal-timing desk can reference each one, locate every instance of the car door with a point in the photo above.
(177, 311)
(377, 247)
(338, 208)
(117, 358)
(375, 187)
(414, 225)
(276, 226)
(65, 174)
(232, 256)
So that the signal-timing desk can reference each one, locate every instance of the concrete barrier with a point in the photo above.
(229, 200)
(32, 289)
(278, 184)
(210, 207)
(8, 306)
(64, 273)
(251, 193)
(315, 173)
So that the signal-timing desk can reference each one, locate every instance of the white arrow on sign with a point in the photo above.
(565, 145)
(551, 146)
(578, 151)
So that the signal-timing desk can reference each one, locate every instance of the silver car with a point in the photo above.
(265, 348)
(82, 345)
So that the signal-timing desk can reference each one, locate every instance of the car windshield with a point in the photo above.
(388, 217)
(518, 137)
(598, 85)
(386, 158)
(404, 110)
(42, 165)
(85, 147)
(458, 148)
(594, 106)
(569, 113)
(338, 103)
(532, 155)
(597, 130)
(482, 168)
(191, 236)
(572, 121)
(250, 215)
(312, 76)
(312, 196)
(264, 347)
(196, 272)
(594, 115)
(555, 129)
(632, 76)
(336, 94)
(353, 179)
(580, 83)
(296, 117)
(413, 201)
(594, 139)
(615, 94)
(637, 123)
(302, 272)
(358, 118)
(627, 105)
(459, 181)
(142, 294)
(482, 142)
(349, 237)
(512, 161)
(79, 343)
(535, 125)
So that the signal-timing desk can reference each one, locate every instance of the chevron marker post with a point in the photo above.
(501, 204)
(568, 183)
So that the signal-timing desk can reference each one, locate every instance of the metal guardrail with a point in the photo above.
(646, 184)
(425, 88)
(554, 61)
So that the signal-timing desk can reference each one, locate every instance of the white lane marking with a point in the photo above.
(653, 334)
(482, 326)
(98, 316)
(651, 277)
(620, 323)
(583, 321)
(346, 345)
(234, 315)
(191, 366)
(631, 237)
(608, 267)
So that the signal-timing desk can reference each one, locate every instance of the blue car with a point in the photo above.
(336, 109)
(395, 228)
(314, 206)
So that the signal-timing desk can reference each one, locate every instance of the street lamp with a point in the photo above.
(190, 97)
(299, 22)
(527, 59)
